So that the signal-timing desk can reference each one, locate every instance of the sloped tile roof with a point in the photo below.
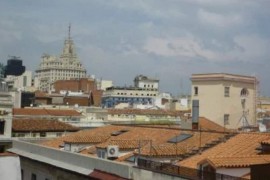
(152, 140)
(155, 112)
(81, 138)
(267, 141)
(207, 124)
(97, 174)
(241, 145)
(123, 144)
(44, 112)
(84, 136)
(41, 125)
(237, 161)
(197, 140)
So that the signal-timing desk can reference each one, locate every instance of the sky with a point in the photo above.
(165, 39)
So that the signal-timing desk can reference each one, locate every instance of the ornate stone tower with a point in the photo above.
(66, 67)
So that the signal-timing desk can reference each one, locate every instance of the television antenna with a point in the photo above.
(243, 119)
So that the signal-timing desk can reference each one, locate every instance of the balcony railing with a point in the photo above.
(184, 172)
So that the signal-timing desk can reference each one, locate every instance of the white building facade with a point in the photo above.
(22, 82)
(144, 91)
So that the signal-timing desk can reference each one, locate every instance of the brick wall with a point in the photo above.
(75, 85)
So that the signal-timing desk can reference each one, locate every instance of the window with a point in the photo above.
(244, 92)
(2, 126)
(226, 119)
(24, 81)
(196, 90)
(22, 174)
(33, 176)
(101, 154)
(226, 91)
(43, 134)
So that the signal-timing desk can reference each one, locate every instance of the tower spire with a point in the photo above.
(69, 28)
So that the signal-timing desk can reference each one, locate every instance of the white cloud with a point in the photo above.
(185, 46)
(219, 20)
(246, 48)
(250, 48)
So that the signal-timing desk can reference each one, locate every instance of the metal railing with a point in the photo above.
(184, 172)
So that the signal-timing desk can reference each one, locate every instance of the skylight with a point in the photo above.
(179, 138)
(116, 133)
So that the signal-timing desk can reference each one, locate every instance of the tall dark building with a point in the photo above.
(14, 67)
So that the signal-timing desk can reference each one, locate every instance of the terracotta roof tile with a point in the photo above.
(147, 112)
(197, 140)
(123, 144)
(207, 124)
(44, 112)
(145, 137)
(84, 136)
(41, 125)
(241, 145)
(81, 138)
(237, 161)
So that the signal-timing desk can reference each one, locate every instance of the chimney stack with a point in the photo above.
(195, 114)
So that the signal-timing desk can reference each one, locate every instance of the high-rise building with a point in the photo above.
(66, 67)
(14, 67)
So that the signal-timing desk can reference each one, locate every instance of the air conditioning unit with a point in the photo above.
(112, 151)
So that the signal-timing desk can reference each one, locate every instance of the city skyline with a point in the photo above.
(118, 40)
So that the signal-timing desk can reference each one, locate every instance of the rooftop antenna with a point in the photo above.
(243, 119)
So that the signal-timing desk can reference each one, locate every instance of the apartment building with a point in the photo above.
(143, 92)
(227, 99)
(20, 82)
(6, 105)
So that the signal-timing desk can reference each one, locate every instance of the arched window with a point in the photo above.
(244, 92)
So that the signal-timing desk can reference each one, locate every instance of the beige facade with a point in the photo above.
(22, 82)
(224, 98)
(52, 68)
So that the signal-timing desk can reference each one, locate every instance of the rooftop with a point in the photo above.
(223, 76)
(151, 140)
(44, 112)
(41, 125)
(146, 112)
(239, 151)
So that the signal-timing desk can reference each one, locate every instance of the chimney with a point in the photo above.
(195, 114)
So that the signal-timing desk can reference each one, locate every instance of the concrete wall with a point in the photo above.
(237, 172)
(70, 161)
(10, 168)
(56, 164)
(43, 171)
(143, 174)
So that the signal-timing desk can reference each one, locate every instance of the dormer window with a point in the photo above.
(67, 147)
